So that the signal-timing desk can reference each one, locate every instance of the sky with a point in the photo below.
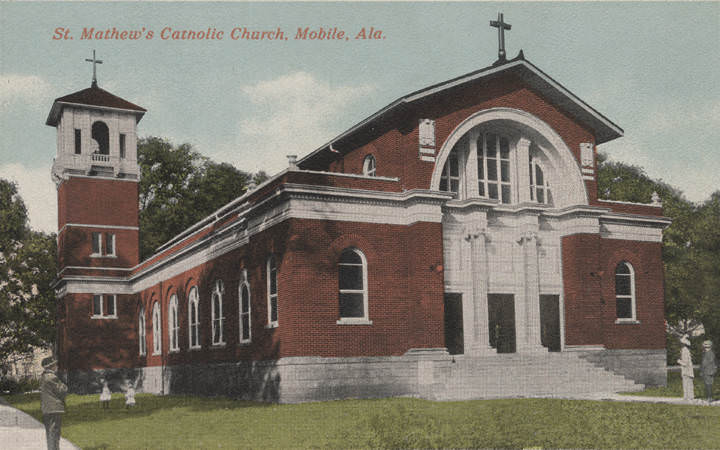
(651, 68)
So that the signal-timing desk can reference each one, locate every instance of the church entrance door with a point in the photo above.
(454, 324)
(501, 318)
(550, 322)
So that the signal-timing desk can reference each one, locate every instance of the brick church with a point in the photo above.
(452, 245)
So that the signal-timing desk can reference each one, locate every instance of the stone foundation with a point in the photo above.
(648, 367)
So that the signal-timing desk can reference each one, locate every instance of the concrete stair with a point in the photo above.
(551, 374)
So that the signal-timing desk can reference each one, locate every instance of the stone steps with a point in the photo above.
(525, 375)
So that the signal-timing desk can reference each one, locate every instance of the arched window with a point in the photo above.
(101, 135)
(193, 319)
(493, 161)
(369, 166)
(157, 329)
(539, 187)
(173, 324)
(352, 281)
(625, 291)
(141, 332)
(272, 289)
(244, 309)
(217, 313)
(450, 178)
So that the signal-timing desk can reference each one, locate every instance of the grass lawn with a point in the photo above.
(674, 388)
(197, 422)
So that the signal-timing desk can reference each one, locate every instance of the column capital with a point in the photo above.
(472, 232)
(523, 143)
(528, 236)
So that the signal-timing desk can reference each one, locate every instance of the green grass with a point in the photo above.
(674, 387)
(197, 422)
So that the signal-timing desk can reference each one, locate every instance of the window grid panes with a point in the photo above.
(352, 285)
(141, 332)
(96, 243)
(539, 187)
(369, 166)
(493, 160)
(157, 333)
(244, 313)
(450, 178)
(625, 291)
(272, 291)
(97, 305)
(173, 325)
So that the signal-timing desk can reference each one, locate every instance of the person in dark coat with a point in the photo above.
(52, 399)
(708, 368)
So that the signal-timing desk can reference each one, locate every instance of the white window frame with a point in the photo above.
(369, 166)
(447, 176)
(631, 296)
(534, 187)
(244, 284)
(364, 320)
(142, 341)
(173, 324)
(103, 311)
(482, 139)
(217, 317)
(193, 306)
(272, 296)
(110, 238)
(157, 328)
(99, 236)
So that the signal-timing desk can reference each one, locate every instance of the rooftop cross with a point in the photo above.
(95, 62)
(501, 26)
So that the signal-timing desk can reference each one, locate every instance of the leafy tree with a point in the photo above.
(179, 187)
(691, 248)
(27, 270)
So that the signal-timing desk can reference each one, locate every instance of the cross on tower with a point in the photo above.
(95, 62)
(501, 26)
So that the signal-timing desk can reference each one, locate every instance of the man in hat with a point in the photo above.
(708, 368)
(52, 396)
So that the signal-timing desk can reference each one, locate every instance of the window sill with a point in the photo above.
(353, 321)
(272, 325)
(96, 317)
(156, 353)
(195, 349)
(97, 255)
(219, 345)
(176, 350)
(244, 343)
(627, 322)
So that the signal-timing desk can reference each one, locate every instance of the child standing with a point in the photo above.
(130, 396)
(105, 395)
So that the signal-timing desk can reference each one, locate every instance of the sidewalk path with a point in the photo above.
(22, 432)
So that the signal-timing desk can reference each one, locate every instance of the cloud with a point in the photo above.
(30, 89)
(37, 191)
(295, 114)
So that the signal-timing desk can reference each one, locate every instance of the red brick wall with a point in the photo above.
(96, 201)
(589, 281)
(75, 247)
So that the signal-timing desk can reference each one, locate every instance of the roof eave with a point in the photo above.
(57, 107)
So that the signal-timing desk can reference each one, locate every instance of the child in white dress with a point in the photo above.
(105, 395)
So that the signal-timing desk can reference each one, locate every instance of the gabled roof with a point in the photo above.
(93, 97)
(605, 130)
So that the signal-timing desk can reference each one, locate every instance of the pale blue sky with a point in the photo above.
(652, 68)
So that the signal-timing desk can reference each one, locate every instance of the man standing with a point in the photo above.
(708, 369)
(686, 368)
(52, 396)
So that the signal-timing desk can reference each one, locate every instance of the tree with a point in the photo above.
(27, 270)
(691, 248)
(179, 187)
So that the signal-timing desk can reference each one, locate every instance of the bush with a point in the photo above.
(9, 386)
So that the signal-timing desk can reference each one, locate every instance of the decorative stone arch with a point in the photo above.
(571, 189)
(352, 241)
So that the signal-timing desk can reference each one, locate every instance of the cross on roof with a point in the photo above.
(95, 62)
(501, 26)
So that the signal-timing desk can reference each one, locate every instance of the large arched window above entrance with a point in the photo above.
(511, 157)
(101, 135)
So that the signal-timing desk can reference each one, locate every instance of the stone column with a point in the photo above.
(529, 340)
(523, 170)
(480, 342)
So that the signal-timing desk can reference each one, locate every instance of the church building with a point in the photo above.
(450, 246)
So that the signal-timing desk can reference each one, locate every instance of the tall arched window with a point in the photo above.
(173, 324)
(193, 318)
(369, 166)
(272, 289)
(217, 313)
(244, 297)
(625, 291)
(539, 187)
(101, 135)
(141, 332)
(157, 329)
(352, 281)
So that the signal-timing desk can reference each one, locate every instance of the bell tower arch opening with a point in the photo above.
(101, 135)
